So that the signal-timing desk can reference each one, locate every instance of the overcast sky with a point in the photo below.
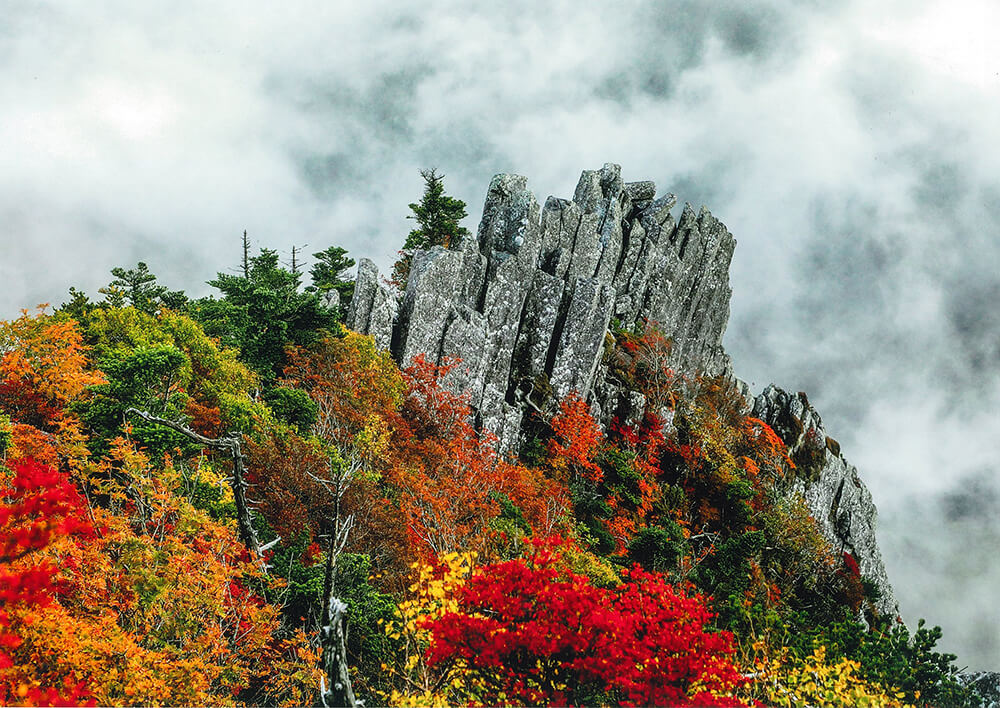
(851, 148)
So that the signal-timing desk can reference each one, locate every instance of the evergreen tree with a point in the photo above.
(438, 216)
(137, 285)
(79, 306)
(330, 273)
(262, 313)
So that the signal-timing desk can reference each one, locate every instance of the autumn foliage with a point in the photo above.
(39, 508)
(450, 477)
(662, 556)
(530, 632)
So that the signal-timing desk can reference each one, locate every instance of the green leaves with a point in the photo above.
(263, 313)
(147, 378)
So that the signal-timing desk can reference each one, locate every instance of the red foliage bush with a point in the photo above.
(531, 632)
(38, 505)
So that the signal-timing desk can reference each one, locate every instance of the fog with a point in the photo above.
(851, 149)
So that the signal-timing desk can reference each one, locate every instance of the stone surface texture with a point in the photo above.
(526, 303)
(986, 685)
(525, 307)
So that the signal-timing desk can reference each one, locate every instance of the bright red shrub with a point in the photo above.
(530, 632)
(38, 506)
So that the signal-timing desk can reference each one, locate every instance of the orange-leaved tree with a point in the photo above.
(162, 607)
(450, 478)
(44, 369)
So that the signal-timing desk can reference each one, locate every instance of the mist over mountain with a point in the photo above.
(847, 147)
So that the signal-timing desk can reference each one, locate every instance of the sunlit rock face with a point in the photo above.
(526, 307)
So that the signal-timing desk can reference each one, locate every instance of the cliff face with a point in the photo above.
(526, 306)
(837, 498)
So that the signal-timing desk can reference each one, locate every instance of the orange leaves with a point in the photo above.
(43, 368)
(448, 476)
(349, 377)
(29, 441)
(577, 439)
(47, 353)
(765, 449)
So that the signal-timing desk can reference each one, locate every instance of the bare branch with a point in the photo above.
(229, 443)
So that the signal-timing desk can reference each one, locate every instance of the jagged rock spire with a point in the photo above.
(526, 304)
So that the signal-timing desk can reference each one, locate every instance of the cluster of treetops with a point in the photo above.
(234, 500)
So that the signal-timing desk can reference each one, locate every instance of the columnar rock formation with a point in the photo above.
(526, 306)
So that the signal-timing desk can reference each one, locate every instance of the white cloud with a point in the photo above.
(849, 147)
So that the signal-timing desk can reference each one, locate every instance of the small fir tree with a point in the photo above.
(438, 216)
(330, 273)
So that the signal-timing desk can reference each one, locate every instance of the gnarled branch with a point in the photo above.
(231, 443)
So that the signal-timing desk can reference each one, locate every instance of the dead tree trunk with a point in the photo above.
(340, 692)
(229, 443)
(333, 624)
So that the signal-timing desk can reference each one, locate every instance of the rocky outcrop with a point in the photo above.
(837, 498)
(526, 304)
(373, 305)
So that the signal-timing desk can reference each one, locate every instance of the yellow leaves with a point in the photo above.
(116, 668)
(373, 439)
(433, 594)
(290, 671)
(816, 681)
(43, 361)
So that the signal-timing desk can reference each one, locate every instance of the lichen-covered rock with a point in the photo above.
(582, 339)
(373, 306)
(431, 292)
(986, 684)
(837, 498)
(526, 303)
(464, 346)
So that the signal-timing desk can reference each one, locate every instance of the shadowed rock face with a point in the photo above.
(526, 305)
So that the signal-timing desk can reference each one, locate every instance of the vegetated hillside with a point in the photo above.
(529, 478)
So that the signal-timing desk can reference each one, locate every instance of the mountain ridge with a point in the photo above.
(526, 306)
